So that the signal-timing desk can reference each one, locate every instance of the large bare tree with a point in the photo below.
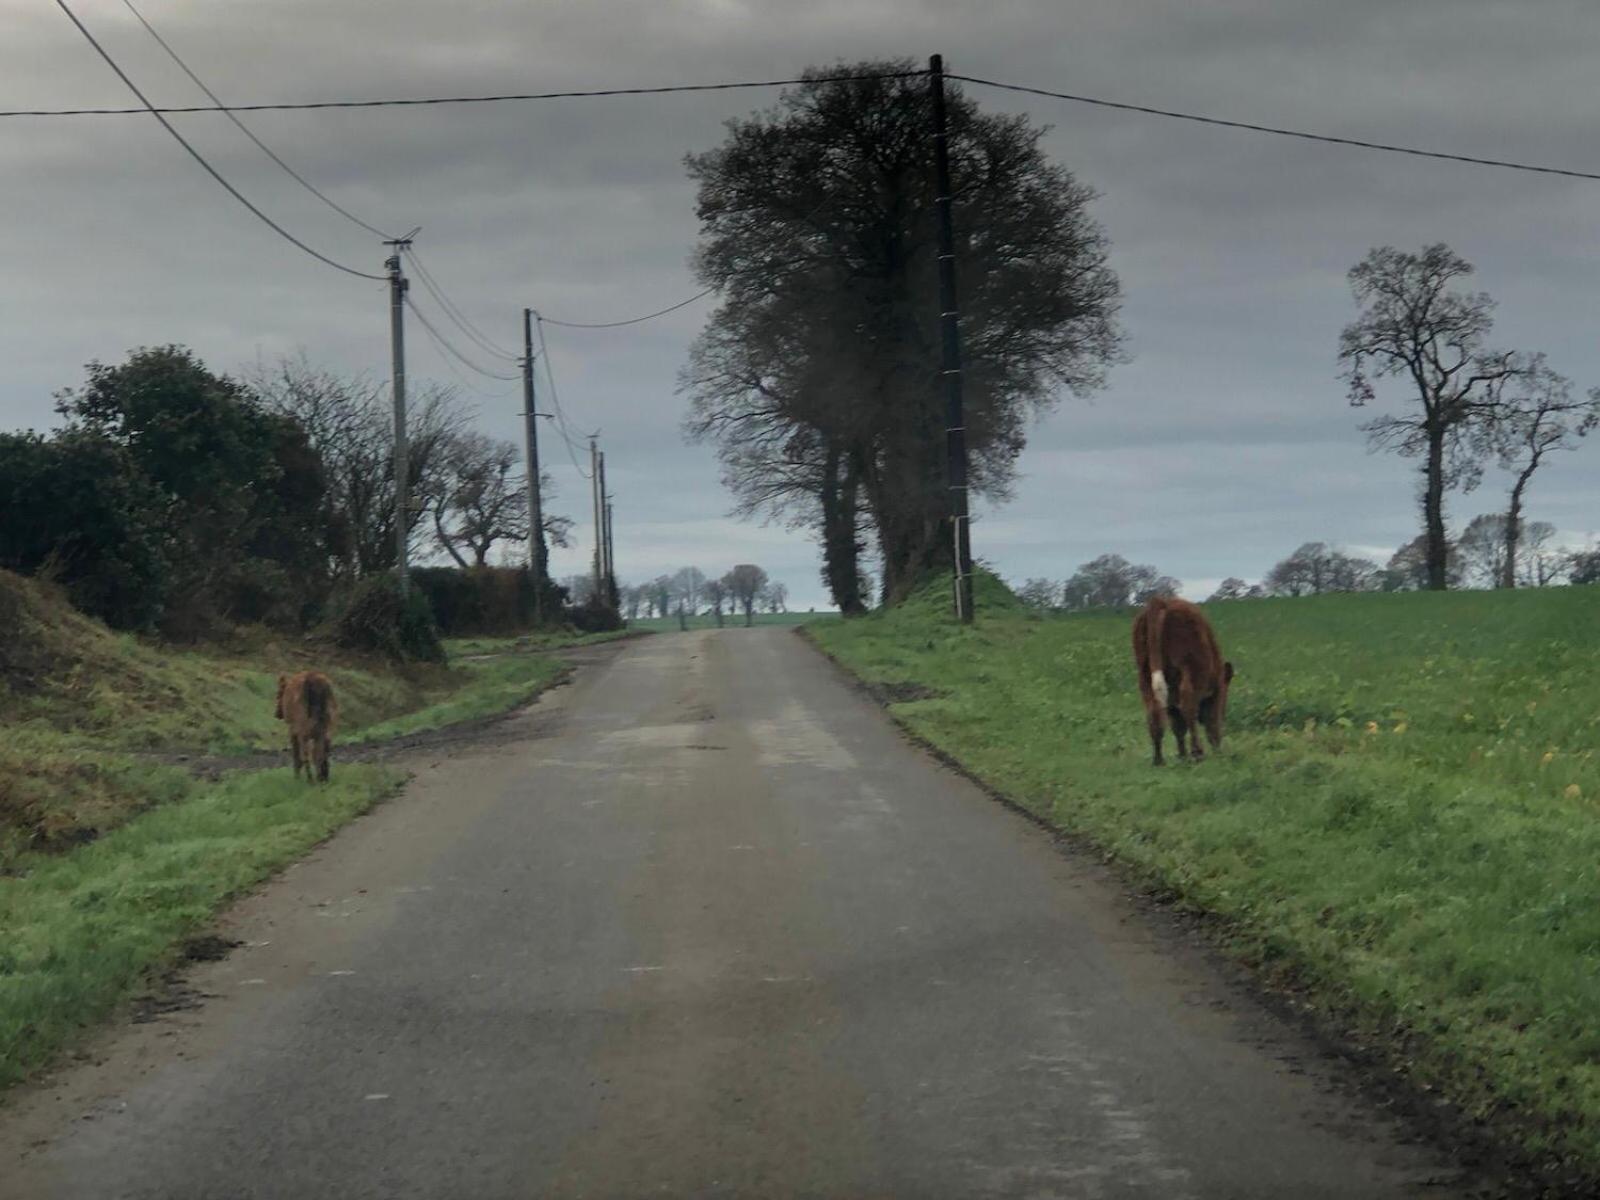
(818, 376)
(1419, 327)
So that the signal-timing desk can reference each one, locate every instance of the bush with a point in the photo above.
(594, 617)
(484, 600)
(378, 620)
(77, 509)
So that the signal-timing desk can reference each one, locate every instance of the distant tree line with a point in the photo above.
(174, 498)
(1478, 557)
(1109, 581)
(689, 591)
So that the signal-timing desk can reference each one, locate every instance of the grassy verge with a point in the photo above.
(1404, 819)
(522, 643)
(79, 933)
(491, 687)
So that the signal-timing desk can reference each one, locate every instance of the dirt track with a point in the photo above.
(702, 924)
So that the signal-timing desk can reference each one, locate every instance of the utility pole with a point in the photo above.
(397, 344)
(599, 519)
(607, 578)
(611, 559)
(530, 428)
(950, 352)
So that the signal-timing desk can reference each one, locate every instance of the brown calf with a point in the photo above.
(306, 702)
(1182, 675)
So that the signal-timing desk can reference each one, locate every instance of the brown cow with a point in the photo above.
(1177, 652)
(306, 701)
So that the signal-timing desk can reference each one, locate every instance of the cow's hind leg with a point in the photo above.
(1180, 730)
(1189, 709)
(294, 751)
(323, 750)
(1156, 719)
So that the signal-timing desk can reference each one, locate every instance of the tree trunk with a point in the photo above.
(1508, 571)
(909, 498)
(1438, 549)
(841, 549)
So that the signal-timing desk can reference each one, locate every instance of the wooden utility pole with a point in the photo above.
(599, 520)
(950, 351)
(530, 428)
(402, 467)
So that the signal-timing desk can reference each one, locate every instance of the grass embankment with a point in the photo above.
(82, 708)
(80, 932)
(1405, 819)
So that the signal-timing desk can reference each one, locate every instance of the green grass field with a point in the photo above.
(1404, 818)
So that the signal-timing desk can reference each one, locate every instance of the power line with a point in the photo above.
(1172, 114)
(1280, 132)
(457, 317)
(446, 358)
(244, 129)
(555, 401)
(195, 154)
(450, 348)
(661, 312)
(296, 106)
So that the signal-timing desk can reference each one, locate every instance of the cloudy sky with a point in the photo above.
(1223, 443)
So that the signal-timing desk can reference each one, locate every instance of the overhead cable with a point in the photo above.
(660, 312)
(288, 106)
(196, 155)
(1278, 131)
(450, 348)
(453, 311)
(245, 129)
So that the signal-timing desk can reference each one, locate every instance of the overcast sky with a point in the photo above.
(1224, 442)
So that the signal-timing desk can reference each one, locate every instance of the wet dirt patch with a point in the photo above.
(207, 947)
(904, 691)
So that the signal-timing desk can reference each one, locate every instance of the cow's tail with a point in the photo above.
(319, 702)
(1156, 619)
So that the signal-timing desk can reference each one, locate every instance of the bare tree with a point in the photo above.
(1538, 564)
(1538, 419)
(776, 597)
(1483, 546)
(744, 584)
(716, 593)
(687, 585)
(1316, 568)
(1111, 581)
(1039, 593)
(1416, 326)
(349, 422)
(1232, 588)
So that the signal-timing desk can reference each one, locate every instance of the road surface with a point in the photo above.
(702, 924)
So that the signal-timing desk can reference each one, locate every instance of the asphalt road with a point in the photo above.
(703, 924)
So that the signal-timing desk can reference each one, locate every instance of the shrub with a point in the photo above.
(376, 618)
(592, 616)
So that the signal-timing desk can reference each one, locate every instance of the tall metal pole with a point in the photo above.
(599, 525)
(402, 469)
(530, 428)
(950, 348)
